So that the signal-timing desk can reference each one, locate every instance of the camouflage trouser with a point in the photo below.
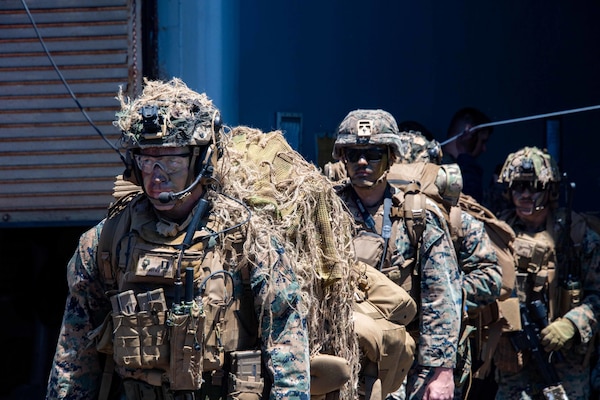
(527, 384)
(414, 385)
(139, 390)
(399, 394)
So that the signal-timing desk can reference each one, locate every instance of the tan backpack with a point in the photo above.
(436, 184)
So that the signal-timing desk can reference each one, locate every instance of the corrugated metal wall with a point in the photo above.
(54, 167)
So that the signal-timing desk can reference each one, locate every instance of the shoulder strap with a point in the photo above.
(414, 212)
(117, 221)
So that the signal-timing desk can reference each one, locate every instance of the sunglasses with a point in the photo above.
(170, 163)
(369, 154)
(521, 186)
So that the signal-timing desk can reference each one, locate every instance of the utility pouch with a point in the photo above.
(186, 326)
(369, 247)
(140, 340)
(530, 255)
(245, 379)
(379, 297)
(103, 335)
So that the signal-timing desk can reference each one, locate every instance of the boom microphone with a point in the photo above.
(166, 197)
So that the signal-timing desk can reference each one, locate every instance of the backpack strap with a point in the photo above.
(414, 212)
(116, 222)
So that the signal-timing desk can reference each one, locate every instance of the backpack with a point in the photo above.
(443, 184)
(436, 184)
(290, 198)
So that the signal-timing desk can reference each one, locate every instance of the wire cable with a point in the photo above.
(66, 84)
(511, 121)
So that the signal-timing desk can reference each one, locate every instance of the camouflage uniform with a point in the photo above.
(482, 275)
(429, 272)
(476, 256)
(517, 375)
(278, 309)
(573, 373)
(438, 292)
(77, 365)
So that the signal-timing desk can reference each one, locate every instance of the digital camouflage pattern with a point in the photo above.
(77, 365)
(369, 128)
(477, 259)
(475, 253)
(574, 373)
(438, 292)
(415, 147)
(529, 164)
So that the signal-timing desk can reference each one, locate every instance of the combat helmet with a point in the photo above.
(169, 114)
(367, 127)
(415, 147)
(530, 164)
(533, 165)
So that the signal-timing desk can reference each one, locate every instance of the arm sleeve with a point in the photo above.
(76, 368)
(284, 332)
(441, 298)
(585, 316)
(478, 260)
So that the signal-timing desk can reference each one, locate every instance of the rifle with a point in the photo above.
(569, 267)
(533, 320)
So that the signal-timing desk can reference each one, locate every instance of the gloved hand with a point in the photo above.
(557, 334)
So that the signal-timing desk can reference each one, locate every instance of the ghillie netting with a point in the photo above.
(294, 203)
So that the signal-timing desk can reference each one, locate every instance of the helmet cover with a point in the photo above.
(167, 114)
(530, 164)
(367, 127)
(415, 147)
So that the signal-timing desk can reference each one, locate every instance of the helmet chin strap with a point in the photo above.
(538, 205)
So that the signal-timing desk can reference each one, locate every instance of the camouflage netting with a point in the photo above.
(293, 202)
(184, 116)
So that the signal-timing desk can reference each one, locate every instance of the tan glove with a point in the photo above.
(557, 334)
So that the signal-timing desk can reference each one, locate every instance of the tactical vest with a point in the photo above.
(372, 249)
(163, 342)
(536, 279)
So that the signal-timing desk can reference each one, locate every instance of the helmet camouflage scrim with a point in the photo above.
(414, 147)
(367, 127)
(167, 114)
(530, 164)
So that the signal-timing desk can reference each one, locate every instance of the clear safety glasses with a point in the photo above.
(170, 163)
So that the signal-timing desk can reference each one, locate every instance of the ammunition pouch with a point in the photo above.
(140, 340)
(530, 255)
(570, 297)
(245, 380)
(368, 247)
(186, 331)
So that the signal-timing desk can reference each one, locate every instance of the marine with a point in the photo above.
(367, 144)
(557, 273)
